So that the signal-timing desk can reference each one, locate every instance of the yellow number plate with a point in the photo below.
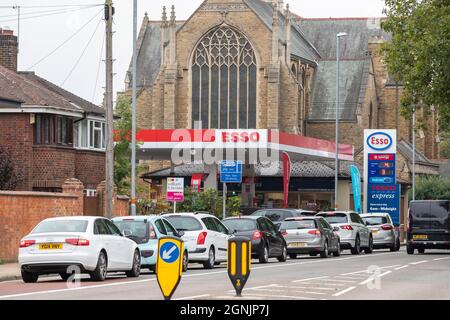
(375, 231)
(297, 244)
(420, 237)
(50, 246)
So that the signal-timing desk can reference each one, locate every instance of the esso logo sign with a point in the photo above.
(379, 141)
(240, 136)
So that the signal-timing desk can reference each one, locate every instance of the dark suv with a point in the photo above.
(429, 225)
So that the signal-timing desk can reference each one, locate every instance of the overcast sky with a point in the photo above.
(39, 36)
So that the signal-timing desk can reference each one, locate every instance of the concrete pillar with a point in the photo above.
(75, 187)
(211, 180)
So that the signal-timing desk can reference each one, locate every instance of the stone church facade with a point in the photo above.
(256, 64)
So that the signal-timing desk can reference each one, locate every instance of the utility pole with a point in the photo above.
(109, 111)
(133, 125)
(16, 7)
(414, 155)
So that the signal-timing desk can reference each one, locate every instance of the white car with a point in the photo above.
(205, 237)
(92, 245)
(353, 232)
(385, 235)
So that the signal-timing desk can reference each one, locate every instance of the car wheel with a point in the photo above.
(152, 269)
(293, 256)
(264, 255)
(357, 248)
(337, 253)
(136, 269)
(185, 261)
(211, 259)
(325, 253)
(99, 274)
(65, 276)
(313, 254)
(283, 256)
(29, 277)
(421, 251)
(369, 249)
(398, 246)
(409, 249)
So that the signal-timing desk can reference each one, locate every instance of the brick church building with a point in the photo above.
(254, 64)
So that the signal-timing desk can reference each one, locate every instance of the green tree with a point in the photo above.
(122, 149)
(432, 188)
(10, 175)
(418, 56)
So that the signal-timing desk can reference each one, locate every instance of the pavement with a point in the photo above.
(9, 271)
(381, 275)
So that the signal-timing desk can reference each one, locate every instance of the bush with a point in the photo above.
(432, 188)
(10, 176)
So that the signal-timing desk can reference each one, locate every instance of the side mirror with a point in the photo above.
(336, 229)
(181, 233)
(126, 233)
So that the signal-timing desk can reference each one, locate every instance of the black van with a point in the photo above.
(429, 225)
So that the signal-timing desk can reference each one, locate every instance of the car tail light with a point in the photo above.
(26, 243)
(347, 227)
(314, 232)
(284, 233)
(257, 235)
(78, 242)
(152, 233)
(387, 227)
(202, 237)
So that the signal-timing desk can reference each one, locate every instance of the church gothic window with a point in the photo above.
(224, 81)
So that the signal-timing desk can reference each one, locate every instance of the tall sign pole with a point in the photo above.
(133, 125)
(109, 111)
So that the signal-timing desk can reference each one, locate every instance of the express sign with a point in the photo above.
(379, 141)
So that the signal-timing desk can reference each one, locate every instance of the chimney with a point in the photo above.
(8, 49)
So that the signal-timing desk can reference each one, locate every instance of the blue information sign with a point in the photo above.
(231, 171)
(385, 199)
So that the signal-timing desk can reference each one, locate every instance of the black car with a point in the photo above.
(279, 215)
(429, 225)
(267, 240)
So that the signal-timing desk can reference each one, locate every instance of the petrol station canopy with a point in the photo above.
(161, 144)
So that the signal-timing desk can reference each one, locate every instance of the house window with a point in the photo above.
(53, 130)
(91, 135)
(224, 80)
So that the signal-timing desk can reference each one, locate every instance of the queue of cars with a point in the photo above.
(96, 245)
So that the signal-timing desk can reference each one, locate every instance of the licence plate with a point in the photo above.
(375, 231)
(297, 244)
(50, 246)
(420, 237)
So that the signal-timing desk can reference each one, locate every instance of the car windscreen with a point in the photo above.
(240, 225)
(134, 229)
(182, 223)
(375, 221)
(431, 209)
(54, 226)
(298, 224)
(334, 218)
(274, 215)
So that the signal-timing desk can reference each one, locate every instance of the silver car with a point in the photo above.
(310, 235)
(383, 230)
(353, 232)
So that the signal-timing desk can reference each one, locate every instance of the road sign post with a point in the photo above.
(239, 262)
(230, 172)
(169, 265)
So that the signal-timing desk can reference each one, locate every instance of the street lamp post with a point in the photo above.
(133, 125)
(336, 169)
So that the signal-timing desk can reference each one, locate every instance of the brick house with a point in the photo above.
(51, 133)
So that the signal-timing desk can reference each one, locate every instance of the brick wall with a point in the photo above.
(20, 211)
(17, 136)
(90, 167)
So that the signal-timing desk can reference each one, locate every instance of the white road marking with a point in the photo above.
(418, 262)
(438, 259)
(326, 284)
(309, 292)
(298, 287)
(340, 293)
(337, 280)
(238, 298)
(193, 297)
(281, 296)
(402, 267)
(308, 279)
(186, 276)
(373, 277)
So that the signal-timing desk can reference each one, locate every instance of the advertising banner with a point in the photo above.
(356, 185)
(385, 198)
(286, 177)
(175, 189)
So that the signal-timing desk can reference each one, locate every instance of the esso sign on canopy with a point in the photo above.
(241, 136)
(244, 138)
(379, 141)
